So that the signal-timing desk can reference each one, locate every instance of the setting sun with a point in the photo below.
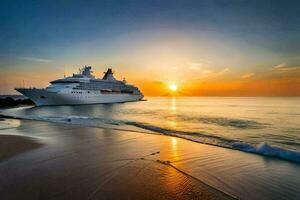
(173, 87)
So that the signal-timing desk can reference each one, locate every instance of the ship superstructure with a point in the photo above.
(84, 88)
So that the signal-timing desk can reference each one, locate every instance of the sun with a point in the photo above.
(173, 87)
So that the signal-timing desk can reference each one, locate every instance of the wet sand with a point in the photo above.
(11, 145)
(77, 162)
(90, 163)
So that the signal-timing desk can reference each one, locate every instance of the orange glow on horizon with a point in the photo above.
(162, 85)
(272, 87)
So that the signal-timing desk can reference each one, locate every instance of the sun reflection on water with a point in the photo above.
(174, 149)
(173, 104)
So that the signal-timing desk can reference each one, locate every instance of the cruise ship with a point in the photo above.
(84, 88)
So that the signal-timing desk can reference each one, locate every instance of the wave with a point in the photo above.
(172, 132)
(262, 148)
(220, 121)
(268, 150)
(223, 121)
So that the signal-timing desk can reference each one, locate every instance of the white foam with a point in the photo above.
(267, 150)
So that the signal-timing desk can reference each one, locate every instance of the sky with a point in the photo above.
(205, 47)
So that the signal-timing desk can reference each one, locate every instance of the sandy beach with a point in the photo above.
(77, 162)
(89, 163)
(12, 145)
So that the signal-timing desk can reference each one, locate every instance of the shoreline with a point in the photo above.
(186, 186)
(261, 149)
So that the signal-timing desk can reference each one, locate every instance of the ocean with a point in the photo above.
(266, 126)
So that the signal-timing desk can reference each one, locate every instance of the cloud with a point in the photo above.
(284, 67)
(206, 73)
(195, 66)
(32, 59)
(224, 70)
(158, 82)
(280, 66)
(248, 75)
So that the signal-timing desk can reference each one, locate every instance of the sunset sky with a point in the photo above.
(205, 47)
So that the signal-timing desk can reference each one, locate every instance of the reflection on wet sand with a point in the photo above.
(12, 145)
(76, 162)
(79, 162)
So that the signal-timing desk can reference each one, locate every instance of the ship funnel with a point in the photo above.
(108, 75)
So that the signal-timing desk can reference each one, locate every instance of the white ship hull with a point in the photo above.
(42, 97)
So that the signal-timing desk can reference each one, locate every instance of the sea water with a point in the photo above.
(266, 126)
